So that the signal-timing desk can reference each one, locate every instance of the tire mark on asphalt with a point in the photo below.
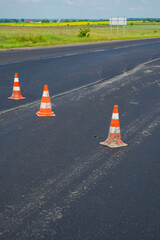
(41, 224)
(56, 190)
(107, 81)
(15, 216)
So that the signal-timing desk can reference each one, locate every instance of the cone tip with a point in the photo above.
(16, 75)
(115, 109)
(45, 87)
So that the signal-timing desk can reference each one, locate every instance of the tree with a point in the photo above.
(45, 21)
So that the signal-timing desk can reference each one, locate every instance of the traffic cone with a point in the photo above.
(45, 107)
(16, 95)
(114, 136)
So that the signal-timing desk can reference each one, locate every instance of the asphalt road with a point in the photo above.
(56, 181)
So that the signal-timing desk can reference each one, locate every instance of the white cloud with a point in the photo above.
(32, 1)
(136, 9)
(69, 2)
(132, 9)
(117, 1)
(103, 8)
(75, 2)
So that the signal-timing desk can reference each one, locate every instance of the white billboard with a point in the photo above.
(118, 21)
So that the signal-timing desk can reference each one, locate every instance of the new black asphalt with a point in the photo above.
(56, 181)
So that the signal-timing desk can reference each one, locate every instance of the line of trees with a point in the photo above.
(73, 20)
(25, 20)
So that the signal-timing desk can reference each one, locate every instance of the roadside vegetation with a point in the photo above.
(14, 35)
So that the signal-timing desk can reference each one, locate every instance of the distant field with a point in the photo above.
(14, 35)
(81, 23)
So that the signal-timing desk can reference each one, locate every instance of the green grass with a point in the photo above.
(19, 36)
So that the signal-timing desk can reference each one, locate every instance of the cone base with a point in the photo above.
(52, 114)
(15, 97)
(113, 144)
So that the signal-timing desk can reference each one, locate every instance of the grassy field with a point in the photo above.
(81, 23)
(14, 35)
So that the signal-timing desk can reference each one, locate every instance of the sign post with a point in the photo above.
(118, 21)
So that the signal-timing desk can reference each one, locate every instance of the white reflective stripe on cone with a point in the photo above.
(114, 129)
(115, 115)
(16, 88)
(45, 94)
(45, 105)
(16, 79)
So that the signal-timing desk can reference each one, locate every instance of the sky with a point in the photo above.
(81, 9)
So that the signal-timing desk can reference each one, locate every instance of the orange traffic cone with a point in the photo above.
(114, 136)
(45, 107)
(16, 95)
